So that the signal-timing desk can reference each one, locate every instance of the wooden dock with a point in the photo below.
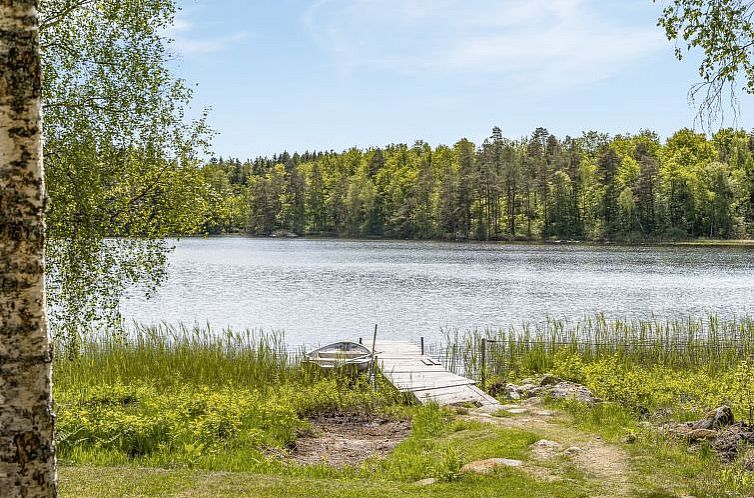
(404, 365)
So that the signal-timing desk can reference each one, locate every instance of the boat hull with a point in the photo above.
(341, 355)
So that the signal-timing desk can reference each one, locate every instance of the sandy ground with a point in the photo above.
(345, 439)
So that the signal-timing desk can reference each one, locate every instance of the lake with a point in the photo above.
(320, 290)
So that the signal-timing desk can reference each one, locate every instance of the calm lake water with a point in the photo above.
(318, 290)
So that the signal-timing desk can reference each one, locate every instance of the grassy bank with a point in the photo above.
(676, 367)
(183, 412)
(175, 411)
(175, 396)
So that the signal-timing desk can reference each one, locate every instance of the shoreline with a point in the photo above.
(534, 242)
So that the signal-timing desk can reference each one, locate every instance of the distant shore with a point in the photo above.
(650, 243)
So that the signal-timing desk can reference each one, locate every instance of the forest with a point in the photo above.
(629, 188)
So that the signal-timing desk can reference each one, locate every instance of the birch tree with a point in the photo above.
(27, 461)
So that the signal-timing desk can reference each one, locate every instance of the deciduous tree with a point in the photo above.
(27, 460)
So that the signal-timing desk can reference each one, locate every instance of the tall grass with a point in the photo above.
(707, 343)
(168, 355)
(168, 395)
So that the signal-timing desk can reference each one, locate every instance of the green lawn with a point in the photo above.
(91, 482)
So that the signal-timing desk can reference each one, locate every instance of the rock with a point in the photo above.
(512, 391)
(517, 411)
(489, 409)
(546, 443)
(496, 389)
(681, 430)
(571, 390)
(544, 449)
(426, 482)
(535, 391)
(729, 441)
(550, 380)
(488, 466)
(697, 434)
(552, 386)
(544, 413)
(572, 451)
(722, 416)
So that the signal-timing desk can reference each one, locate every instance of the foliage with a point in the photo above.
(677, 368)
(629, 187)
(186, 422)
(688, 343)
(168, 396)
(119, 155)
(724, 31)
(568, 365)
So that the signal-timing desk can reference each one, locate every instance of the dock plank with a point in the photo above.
(404, 365)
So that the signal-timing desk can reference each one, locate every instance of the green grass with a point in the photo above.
(710, 343)
(678, 367)
(182, 412)
(167, 355)
(166, 397)
(89, 482)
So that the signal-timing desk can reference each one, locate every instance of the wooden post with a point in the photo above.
(483, 377)
(422, 343)
(374, 345)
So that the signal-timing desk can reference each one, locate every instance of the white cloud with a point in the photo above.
(539, 43)
(187, 43)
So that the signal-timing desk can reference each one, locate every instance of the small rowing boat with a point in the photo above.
(341, 354)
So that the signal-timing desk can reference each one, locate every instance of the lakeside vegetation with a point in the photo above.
(631, 187)
(186, 412)
(196, 401)
(675, 369)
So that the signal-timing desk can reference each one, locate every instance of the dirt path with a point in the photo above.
(344, 439)
(606, 464)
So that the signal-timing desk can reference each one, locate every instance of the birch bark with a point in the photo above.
(27, 461)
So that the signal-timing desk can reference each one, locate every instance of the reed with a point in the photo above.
(708, 343)
(166, 395)
(169, 355)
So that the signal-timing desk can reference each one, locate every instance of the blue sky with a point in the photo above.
(331, 74)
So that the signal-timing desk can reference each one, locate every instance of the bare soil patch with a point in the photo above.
(348, 439)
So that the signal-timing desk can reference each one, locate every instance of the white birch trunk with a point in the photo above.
(27, 461)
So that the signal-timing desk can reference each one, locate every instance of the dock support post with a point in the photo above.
(374, 367)
(422, 343)
(483, 376)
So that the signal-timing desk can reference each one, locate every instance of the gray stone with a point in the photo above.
(489, 465)
(546, 443)
(550, 380)
(571, 390)
(426, 482)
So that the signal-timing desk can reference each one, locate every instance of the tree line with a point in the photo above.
(628, 187)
